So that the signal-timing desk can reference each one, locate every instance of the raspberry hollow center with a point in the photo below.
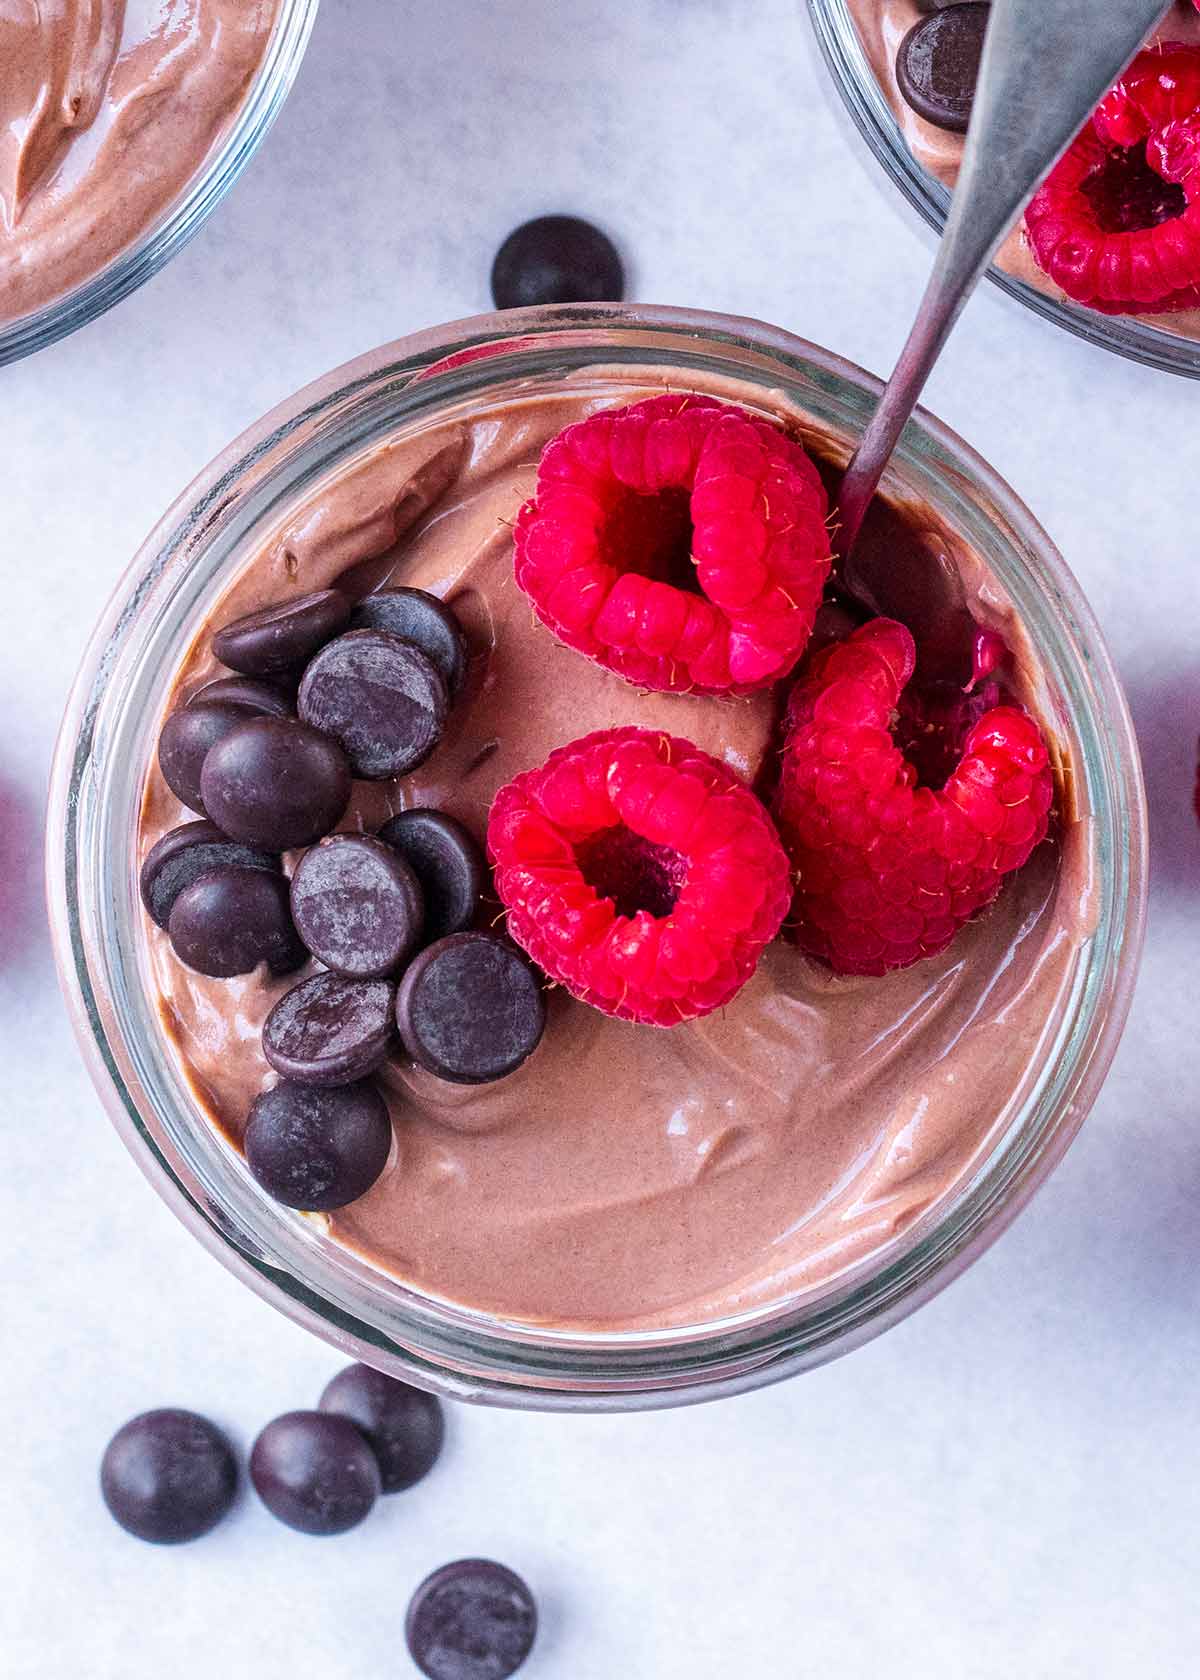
(652, 535)
(1127, 195)
(634, 872)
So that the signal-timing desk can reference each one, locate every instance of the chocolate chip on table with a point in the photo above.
(382, 699)
(317, 1149)
(330, 1030)
(230, 919)
(937, 65)
(471, 1620)
(257, 694)
(422, 619)
(168, 1476)
(282, 636)
(315, 1472)
(557, 259)
(404, 1426)
(186, 739)
(447, 862)
(470, 1008)
(275, 783)
(358, 906)
(185, 852)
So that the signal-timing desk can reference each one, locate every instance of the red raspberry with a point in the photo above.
(680, 542)
(889, 870)
(1117, 223)
(640, 873)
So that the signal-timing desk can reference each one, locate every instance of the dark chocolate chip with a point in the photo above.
(186, 740)
(403, 1425)
(258, 694)
(382, 699)
(317, 1149)
(185, 852)
(470, 1008)
(423, 620)
(557, 259)
(282, 636)
(330, 1030)
(446, 861)
(314, 1472)
(275, 783)
(471, 1620)
(168, 1476)
(358, 906)
(937, 65)
(231, 919)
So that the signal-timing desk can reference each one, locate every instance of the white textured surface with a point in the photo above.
(1003, 1487)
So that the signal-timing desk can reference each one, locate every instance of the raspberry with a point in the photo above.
(640, 873)
(680, 542)
(1117, 222)
(889, 870)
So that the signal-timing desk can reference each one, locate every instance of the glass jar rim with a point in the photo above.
(434, 1343)
(184, 217)
(873, 117)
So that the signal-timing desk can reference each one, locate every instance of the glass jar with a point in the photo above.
(159, 242)
(864, 98)
(108, 741)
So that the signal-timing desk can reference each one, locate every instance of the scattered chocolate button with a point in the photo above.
(317, 1149)
(330, 1030)
(382, 699)
(230, 919)
(425, 621)
(470, 1008)
(257, 694)
(404, 1426)
(471, 1620)
(937, 65)
(185, 741)
(168, 1476)
(185, 852)
(275, 783)
(557, 259)
(446, 861)
(315, 1472)
(358, 906)
(282, 636)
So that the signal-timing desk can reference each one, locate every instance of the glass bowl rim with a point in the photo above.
(718, 1359)
(186, 214)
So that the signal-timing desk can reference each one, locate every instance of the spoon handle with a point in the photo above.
(1046, 64)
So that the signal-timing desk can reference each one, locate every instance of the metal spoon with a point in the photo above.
(1046, 64)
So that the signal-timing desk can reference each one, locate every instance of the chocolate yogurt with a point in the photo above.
(882, 26)
(108, 108)
(628, 1177)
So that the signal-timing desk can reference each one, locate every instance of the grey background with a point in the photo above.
(1005, 1485)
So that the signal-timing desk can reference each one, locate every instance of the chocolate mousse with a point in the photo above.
(108, 108)
(596, 1173)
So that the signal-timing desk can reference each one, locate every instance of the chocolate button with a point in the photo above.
(186, 852)
(446, 861)
(382, 699)
(275, 783)
(168, 1476)
(314, 1472)
(229, 920)
(937, 65)
(470, 1008)
(256, 694)
(471, 1620)
(317, 1149)
(358, 906)
(281, 636)
(404, 1425)
(425, 621)
(185, 741)
(329, 1030)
